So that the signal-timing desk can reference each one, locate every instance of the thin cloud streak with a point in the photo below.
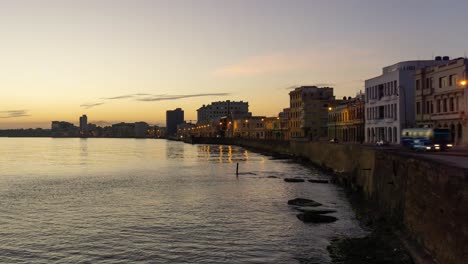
(175, 97)
(87, 106)
(143, 97)
(13, 113)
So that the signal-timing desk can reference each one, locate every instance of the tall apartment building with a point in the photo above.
(309, 111)
(173, 118)
(390, 101)
(441, 98)
(216, 110)
(83, 125)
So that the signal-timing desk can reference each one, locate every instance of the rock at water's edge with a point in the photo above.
(316, 218)
(293, 180)
(304, 202)
(313, 210)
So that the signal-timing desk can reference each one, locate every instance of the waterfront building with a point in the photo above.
(83, 125)
(141, 129)
(346, 120)
(123, 130)
(184, 130)
(272, 127)
(216, 110)
(207, 129)
(441, 98)
(284, 123)
(251, 127)
(173, 118)
(309, 111)
(390, 101)
(64, 129)
(159, 132)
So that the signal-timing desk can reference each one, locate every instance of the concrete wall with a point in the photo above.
(429, 200)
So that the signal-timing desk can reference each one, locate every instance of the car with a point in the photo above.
(333, 140)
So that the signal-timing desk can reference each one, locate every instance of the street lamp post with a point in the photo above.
(334, 121)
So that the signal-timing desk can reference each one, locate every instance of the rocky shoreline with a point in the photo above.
(381, 246)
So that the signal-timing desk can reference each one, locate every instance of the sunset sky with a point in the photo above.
(132, 60)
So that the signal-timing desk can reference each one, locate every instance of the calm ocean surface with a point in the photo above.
(157, 201)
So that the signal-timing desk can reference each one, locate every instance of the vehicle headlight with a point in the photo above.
(437, 147)
(428, 148)
(449, 145)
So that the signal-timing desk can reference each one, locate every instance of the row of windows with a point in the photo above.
(444, 81)
(352, 114)
(381, 112)
(381, 90)
(257, 125)
(295, 123)
(442, 106)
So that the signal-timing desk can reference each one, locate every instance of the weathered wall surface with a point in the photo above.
(429, 199)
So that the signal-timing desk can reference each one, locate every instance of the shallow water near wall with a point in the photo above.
(158, 201)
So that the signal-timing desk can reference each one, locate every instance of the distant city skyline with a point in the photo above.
(129, 61)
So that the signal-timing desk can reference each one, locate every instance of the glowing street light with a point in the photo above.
(330, 108)
(463, 83)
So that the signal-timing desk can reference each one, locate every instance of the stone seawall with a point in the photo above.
(427, 199)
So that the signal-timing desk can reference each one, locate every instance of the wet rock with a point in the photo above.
(304, 202)
(316, 218)
(294, 180)
(312, 210)
(318, 181)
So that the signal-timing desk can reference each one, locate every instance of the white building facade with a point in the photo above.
(216, 110)
(390, 101)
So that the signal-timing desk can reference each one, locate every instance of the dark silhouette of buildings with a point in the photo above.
(83, 125)
(174, 118)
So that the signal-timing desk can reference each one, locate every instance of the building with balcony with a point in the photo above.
(308, 114)
(346, 120)
(390, 101)
(441, 98)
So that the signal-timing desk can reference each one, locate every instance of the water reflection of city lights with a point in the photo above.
(246, 155)
(220, 154)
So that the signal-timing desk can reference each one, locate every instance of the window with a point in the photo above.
(428, 107)
(453, 80)
(438, 105)
(418, 84)
(452, 104)
(429, 82)
(445, 105)
(418, 108)
(381, 112)
(442, 82)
